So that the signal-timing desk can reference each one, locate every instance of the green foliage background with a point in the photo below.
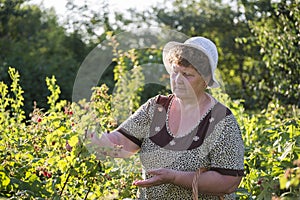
(41, 152)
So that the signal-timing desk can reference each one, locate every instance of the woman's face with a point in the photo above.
(186, 82)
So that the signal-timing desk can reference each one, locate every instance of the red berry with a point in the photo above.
(259, 182)
(39, 119)
(45, 173)
(49, 175)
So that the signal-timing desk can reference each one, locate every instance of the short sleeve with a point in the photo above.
(227, 154)
(137, 126)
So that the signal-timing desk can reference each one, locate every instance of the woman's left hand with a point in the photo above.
(160, 176)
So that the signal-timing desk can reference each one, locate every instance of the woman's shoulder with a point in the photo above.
(221, 109)
(222, 113)
(162, 99)
(152, 102)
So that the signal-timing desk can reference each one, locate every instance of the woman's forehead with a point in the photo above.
(183, 67)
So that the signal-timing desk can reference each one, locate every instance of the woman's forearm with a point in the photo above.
(209, 182)
(112, 144)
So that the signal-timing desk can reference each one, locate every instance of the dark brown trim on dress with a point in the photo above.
(130, 137)
(191, 141)
(229, 172)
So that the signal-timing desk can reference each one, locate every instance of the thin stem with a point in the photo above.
(65, 181)
(69, 174)
(86, 195)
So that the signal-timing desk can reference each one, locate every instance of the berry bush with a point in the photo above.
(44, 157)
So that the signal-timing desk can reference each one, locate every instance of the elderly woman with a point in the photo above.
(188, 130)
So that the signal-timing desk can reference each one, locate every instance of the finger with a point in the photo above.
(145, 183)
(142, 183)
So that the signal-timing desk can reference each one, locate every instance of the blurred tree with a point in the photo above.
(92, 21)
(278, 36)
(34, 43)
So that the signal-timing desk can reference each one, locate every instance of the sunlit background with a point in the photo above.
(114, 5)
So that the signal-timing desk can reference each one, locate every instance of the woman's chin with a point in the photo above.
(180, 93)
(184, 95)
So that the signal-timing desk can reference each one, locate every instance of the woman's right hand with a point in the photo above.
(112, 144)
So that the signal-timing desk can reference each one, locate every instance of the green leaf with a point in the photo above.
(283, 182)
(73, 141)
(4, 179)
(287, 150)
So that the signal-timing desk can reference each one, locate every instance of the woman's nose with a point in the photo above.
(178, 78)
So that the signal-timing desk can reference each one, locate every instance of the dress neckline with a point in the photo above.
(196, 125)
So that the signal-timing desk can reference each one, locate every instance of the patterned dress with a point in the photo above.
(215, 143)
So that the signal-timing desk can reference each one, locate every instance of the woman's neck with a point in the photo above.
(186, 114)
(187, 104)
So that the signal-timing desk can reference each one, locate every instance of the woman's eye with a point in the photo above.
(185, 74)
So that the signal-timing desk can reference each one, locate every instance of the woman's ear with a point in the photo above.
(207, 80)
